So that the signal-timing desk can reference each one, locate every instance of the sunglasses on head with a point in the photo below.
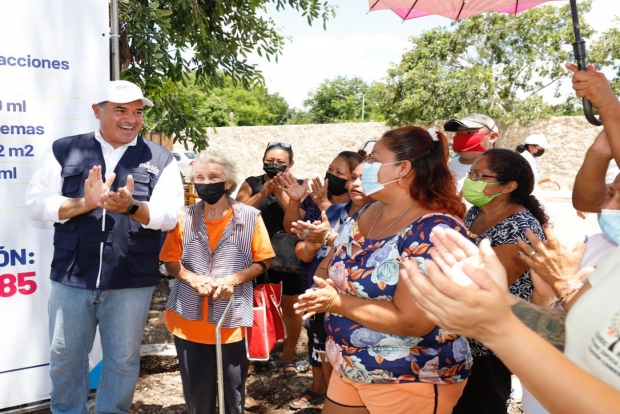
(278, 144)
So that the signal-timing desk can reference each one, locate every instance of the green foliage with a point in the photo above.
(299, 117)
(496, 64)
(163, 41)
(231, 105)
(607, 51)
(341, 100)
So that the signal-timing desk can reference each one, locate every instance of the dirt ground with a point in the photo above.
(159, 389)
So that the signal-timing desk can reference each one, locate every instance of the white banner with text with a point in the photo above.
(54, 56)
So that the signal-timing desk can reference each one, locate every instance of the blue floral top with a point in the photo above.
(371, 272)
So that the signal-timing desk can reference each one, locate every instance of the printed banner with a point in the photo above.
(54, 56)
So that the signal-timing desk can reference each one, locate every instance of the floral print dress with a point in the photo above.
(371, 271)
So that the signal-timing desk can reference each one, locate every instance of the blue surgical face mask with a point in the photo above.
(609, 220)
(370, 177)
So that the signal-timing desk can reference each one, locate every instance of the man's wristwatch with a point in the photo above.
(133, 208)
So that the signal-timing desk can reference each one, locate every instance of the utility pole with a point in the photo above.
(363, 95)
(114, 34)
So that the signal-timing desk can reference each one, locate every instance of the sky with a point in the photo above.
(359, 43)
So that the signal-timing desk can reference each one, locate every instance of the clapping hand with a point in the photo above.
(554, 263)
(479, 310)
(291, 187)
(95, 189)
(312, 232)
(453, 252)
(319, 299)
(120, 201)
(319, 193)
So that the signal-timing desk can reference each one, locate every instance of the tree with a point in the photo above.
(299, 117)
(217, 107)
(607, 51)
(495, 63)
(163, 41)
(254, 106)
(341, 100)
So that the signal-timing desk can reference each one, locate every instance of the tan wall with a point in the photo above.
(316, 145)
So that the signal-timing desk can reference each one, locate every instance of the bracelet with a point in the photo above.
(530, 297)
(326, 237)
(303, 249)
(570, 281)
(573, 288)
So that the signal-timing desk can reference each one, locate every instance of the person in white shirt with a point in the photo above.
(474, 134)
(532, 149)
(109, 194)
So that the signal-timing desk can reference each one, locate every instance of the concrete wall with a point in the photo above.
(316, 145)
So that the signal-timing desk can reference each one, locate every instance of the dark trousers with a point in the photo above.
(198, 366)
(488, 388)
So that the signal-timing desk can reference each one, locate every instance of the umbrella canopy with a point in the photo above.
(460, 9)
(452, 9)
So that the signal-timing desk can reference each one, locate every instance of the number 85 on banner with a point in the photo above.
(21, 283)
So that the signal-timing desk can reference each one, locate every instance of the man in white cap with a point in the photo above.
(109, 194)
(474, 134)
(532, 149)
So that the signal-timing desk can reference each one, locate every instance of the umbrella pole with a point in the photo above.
(579, 49)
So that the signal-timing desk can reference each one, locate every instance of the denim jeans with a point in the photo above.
(74, 314)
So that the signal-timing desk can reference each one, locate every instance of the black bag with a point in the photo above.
(317, 326)
(284, 246)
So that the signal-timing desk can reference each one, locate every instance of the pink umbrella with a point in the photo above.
(460, 9)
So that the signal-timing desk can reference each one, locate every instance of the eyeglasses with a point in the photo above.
(476, 176)
(283, 145)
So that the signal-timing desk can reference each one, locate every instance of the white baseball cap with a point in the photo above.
(538, 139)
(121, 92)
(472, 121)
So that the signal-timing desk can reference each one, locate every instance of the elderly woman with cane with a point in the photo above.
(218, 247)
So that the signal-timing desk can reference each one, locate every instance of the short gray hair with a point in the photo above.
(212, 157)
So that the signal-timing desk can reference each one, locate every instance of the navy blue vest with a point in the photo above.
(126, 253)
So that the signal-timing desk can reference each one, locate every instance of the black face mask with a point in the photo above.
(210, 193)
(336, 185)
(539, 152)
(273, 168)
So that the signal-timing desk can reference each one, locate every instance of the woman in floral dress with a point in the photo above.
(387, 356)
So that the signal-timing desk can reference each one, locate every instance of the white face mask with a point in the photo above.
(370, 177)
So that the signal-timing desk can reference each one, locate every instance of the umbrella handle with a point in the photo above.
(579, 48)
(587, 111)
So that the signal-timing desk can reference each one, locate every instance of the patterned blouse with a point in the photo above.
(371, 272)
(505, 232)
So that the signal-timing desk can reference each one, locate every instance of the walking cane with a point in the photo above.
(218, 357)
